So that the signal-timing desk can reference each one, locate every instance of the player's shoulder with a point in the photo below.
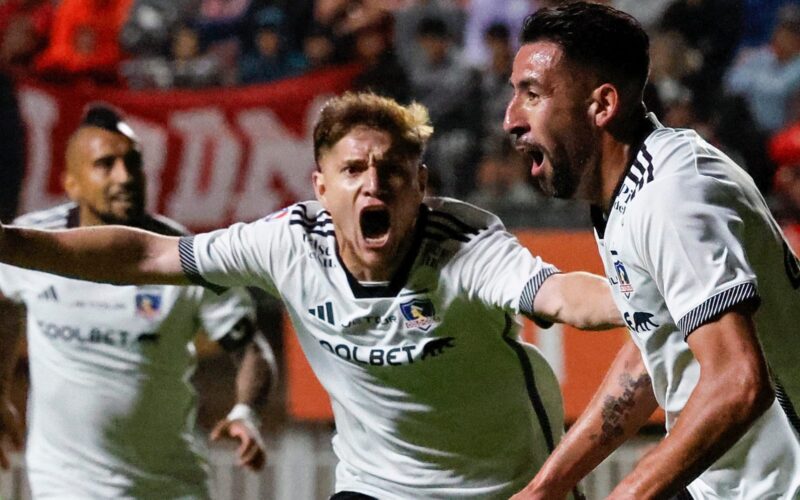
(457, 219)
(301, 220)
(57, 217)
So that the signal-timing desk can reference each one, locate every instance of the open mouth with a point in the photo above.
(375, 223)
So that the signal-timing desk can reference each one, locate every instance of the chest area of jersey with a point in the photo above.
(81, 314)
(635, 292)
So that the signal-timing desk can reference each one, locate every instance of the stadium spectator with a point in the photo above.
(481, 15)
(84, 40)
(443, 82)
(503, 187)
(112, 411)
(698, 267)
(24, 29)
(268, 58)
(187, 66)
(382, 73)
(711, 29)
(409, 17)
(495, 91)
(403, 308)
(767, 77)
(318, 48)
(784, 149)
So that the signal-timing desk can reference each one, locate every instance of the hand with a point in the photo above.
(10, 430)
(251, 452)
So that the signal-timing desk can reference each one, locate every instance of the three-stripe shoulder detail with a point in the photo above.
(441, 226)
(189, 265)
(319, 223)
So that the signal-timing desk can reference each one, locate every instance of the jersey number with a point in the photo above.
(792, 266)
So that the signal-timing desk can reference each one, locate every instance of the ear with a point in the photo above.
(422, 178)
(318, 179)
(71, 185)
(604, 105)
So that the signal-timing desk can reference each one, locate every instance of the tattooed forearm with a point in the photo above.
(616, 409)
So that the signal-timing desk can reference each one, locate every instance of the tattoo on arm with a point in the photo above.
(616, 409)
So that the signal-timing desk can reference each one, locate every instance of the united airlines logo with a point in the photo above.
(323, 312)
(148, 305)
(419, 313)
(49, 293)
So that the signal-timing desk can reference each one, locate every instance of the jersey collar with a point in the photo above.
(598, 215)
(400, 277)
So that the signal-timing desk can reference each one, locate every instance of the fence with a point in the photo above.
(301, 467)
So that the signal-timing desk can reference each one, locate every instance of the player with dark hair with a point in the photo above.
(404, 309)
(698, 267)
(111, 407)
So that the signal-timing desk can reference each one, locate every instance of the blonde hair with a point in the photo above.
(409, 126)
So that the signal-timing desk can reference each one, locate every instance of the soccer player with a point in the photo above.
(698, 267)
(111, 406)
(405, 309)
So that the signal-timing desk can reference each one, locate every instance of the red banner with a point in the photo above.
(212, 157)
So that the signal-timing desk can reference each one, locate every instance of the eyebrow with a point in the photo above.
(525, 83)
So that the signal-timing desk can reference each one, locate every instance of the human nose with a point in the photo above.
(120, 172)
(514, 122)
(374, 181)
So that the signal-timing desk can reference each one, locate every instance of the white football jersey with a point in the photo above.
(688, 237)
(111, 410)
(433, 396)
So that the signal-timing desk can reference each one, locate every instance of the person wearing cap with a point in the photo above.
(111, 410)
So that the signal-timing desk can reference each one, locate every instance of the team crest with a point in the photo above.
(148, 305)
(419, 313)
(624, 282)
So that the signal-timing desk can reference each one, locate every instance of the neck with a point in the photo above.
(618, 152)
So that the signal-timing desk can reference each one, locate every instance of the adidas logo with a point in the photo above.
(323, 312)
(49, 294)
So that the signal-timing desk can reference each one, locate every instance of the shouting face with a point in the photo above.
(104, 176)
(373, 194)
(550, 119)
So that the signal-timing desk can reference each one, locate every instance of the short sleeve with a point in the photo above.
(12, 281)
(502, 273)
(222, 315)
(240, 255)
(688, 233)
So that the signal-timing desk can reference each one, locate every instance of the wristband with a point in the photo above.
(245, 413)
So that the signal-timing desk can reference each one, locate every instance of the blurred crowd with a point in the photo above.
(728, 68)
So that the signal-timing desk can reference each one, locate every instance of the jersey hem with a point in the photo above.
(189, 265)
(715, 305)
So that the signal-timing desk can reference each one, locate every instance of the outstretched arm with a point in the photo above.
(619, 408)
(733, 391)
(108, 254)
(580, 299)
(257, 375)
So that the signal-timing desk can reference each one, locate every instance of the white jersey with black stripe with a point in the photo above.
(433, 397)
(688, 237)
(111, 409)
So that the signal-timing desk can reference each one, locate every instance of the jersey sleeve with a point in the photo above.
(228, 318)
(688, 233)
(240, 255)
(12, 281)
(501, 272)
